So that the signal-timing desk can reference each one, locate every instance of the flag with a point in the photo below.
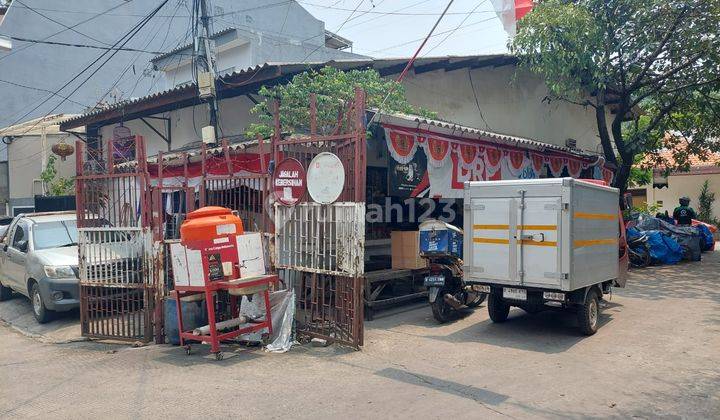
(511, 11)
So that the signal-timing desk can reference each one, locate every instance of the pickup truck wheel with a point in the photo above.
(5, 293)
(41, 313)
(498, 309)
(589, 314)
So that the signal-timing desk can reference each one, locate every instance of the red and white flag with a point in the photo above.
(511, 11)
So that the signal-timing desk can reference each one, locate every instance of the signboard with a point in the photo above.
(123, 144)
(325, 178)
(289, 182)
(405, 177)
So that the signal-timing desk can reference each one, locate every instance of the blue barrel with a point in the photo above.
(194, 316)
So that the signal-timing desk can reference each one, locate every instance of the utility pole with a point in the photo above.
(206, 74)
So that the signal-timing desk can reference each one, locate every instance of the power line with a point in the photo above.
(456, 28)
(40, 90)
(62, 24)
(67, 44)
(337, 30)
(15, 51)
(386, 13)
(124, 40)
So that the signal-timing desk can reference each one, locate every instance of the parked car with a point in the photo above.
(39, 259)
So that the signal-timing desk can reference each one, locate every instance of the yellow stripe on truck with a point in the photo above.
(497, 241)
(595, 242)
(507, 227)
(595, 216)
(491, 241)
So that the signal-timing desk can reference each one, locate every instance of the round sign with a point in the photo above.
(289, 181)
(325, 178)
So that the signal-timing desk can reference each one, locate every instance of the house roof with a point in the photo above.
(708, 163)
(189, 45)
(249, 81)
(35, 127)
(449, 128)
(335, 41)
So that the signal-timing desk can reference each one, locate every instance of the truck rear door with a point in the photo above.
(538, 231)
(493, 247)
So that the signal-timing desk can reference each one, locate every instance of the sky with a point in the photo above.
(470, 27)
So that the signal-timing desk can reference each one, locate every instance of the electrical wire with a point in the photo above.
(15, 51)
(382, 13)
(66, 44)
(456, 28)
(122, 41)
(62, 24)
(336, 31)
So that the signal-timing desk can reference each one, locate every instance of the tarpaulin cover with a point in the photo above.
(663, 248)
(688, 237)
(708, 239)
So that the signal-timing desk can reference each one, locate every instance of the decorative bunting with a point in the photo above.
(557, 164)
(516, 162)
(402, 146)
(608, 175)
(574, 168)
(468, 156)
(493, 159)
(538, 161)
(437, 151)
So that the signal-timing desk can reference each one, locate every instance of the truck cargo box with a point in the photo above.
(558, 233)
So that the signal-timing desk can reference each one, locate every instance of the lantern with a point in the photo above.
(63, 149)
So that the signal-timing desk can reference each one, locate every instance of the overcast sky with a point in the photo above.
(398, 34)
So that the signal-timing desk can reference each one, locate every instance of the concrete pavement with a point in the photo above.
(657, 355)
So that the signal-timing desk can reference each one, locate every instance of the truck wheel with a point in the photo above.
(5, 293)
(497, 309)
(41, 313)
(589, 313)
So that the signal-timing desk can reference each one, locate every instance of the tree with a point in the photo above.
(333, 89)
(650, 69)
(706, 199)
(53, 184)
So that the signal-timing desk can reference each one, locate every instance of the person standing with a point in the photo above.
(684, 214)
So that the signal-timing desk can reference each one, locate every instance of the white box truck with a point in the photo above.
(542, 243)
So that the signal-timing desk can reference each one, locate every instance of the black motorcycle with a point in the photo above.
(441, 244)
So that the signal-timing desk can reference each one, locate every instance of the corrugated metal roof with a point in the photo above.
(278, 70)
(188, 45)
(416, 121)
(35, 127)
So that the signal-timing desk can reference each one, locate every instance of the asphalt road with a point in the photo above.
(657, 355)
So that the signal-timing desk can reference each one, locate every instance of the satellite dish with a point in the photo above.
(325, 178)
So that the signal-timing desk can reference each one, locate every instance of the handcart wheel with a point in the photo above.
(218, 356)
(188, 349)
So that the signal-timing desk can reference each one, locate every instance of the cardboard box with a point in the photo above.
(405, 250)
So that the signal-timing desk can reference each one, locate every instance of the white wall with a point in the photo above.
(511, 105)
(685, 185)
(234, 117)
(26, 160)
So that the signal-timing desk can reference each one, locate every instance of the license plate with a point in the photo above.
(435, 281)
(517, 294)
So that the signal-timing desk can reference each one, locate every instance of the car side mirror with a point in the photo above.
(5, 247)
(22, 246)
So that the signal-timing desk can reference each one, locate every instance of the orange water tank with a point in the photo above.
(209, 223)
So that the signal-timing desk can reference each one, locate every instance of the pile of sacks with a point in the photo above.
(669, 243)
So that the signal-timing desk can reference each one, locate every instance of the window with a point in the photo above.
(55, 234)
(20, 234)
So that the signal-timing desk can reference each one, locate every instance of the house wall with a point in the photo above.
(26, 160)
(685, 185)
(53, 65)
(234, 117)
(510, 105)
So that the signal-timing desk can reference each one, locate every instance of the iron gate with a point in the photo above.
(320, 247)
(118, 281)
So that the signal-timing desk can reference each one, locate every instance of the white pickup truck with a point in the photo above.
(39, 259)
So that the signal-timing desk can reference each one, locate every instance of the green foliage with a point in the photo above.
(643, 208)
(648, 68)
(706, 199)
(55, 185)
(333, 89)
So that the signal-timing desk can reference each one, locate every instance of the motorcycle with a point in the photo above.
(639, 251)
(441, 245)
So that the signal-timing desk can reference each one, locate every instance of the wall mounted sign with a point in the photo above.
(289, 182)
(325, 178)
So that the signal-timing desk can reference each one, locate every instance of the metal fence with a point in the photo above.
(325, 239)
(321, 247)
